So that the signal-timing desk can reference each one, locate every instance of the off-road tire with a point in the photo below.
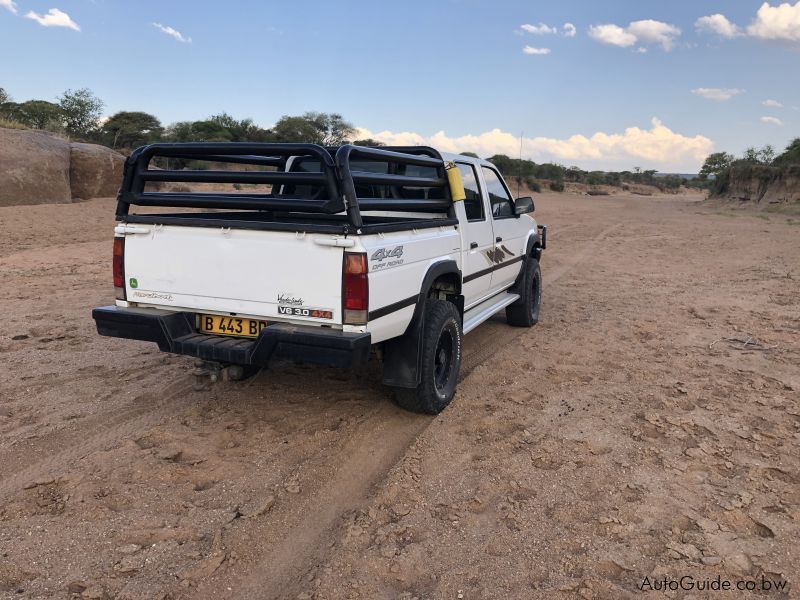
(442, 348)
(525, 311)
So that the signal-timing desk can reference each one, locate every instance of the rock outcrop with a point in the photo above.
(40, 168)
(34, 168)
(94, 171)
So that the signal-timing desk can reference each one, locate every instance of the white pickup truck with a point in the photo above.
(323, 255)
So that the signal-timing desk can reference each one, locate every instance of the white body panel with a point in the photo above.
(241, 271)
(397, 278)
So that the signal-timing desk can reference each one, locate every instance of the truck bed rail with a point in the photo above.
(330, 183)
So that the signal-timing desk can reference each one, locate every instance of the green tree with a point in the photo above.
(766, 155)
(82, 110)
(131, 129)
(39, 114)
(328, 129)
(715, 163)
(180, 131)
(789, 156)
(472, 154)
(198, 131)
(4, 97)
(210, 131)
(368, 142)
(241, 131)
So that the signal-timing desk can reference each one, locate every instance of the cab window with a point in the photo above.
(473, 203)
(499, 198)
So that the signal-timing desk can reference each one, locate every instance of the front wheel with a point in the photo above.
(442, 343)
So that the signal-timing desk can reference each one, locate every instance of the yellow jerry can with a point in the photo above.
(457, 192)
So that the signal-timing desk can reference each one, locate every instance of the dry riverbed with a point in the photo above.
(648, 427)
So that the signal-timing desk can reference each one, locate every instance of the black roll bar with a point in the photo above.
(335, 182)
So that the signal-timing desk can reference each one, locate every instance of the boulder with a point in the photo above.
(95, 171)
(34, 168)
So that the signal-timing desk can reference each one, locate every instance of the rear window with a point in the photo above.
(370, 191)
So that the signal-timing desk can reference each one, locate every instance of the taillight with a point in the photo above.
(355, 288)
(118, 263)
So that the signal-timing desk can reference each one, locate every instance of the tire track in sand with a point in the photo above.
(357, 467)
(493, 335)
(59, 452)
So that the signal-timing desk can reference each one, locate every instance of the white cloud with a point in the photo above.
(172, 32)
(772, 104)
(657, 147)
(53, 18)
(641, 50)
(655, 32)
(772, 121)
(569, 30)
(718, 94)
(646, 31)
(718, 24)
(778, 23)
(532, 50)
(612, 34)
(10, 5)
(540, 29)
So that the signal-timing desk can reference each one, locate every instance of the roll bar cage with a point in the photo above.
(336, 183)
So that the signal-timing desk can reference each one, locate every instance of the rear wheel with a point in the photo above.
(525, 311)
(442, 342)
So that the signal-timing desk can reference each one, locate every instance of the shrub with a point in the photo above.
(532, 184)
(557, 186)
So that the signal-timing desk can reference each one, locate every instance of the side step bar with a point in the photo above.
(477, 315)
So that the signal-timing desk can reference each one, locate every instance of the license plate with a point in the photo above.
(238, 326)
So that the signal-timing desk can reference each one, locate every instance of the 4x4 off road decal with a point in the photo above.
(381, 254)
(384, 253)
(498, 255)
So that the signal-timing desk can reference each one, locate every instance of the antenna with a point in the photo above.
(519, 176)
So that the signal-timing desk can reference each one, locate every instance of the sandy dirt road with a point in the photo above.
(628, 435)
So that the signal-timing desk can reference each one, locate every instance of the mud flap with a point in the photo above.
(401, 356)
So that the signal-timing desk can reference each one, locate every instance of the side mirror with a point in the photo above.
(523, 205)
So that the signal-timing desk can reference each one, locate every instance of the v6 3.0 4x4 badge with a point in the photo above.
(302, 311)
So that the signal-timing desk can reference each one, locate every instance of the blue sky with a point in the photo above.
(449, 72)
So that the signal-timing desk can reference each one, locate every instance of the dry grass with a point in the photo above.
(7, 124)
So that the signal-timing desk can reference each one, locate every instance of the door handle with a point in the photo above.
(473, 245)
(498, 239)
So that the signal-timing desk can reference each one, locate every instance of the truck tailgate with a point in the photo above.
(275, 274)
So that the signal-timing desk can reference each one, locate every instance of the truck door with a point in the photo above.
(478, 240)
(508, 241)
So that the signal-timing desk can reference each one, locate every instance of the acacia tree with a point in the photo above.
(368, 142)
(241, 131)
(327, 129)
(715, 163)
(82, 110)
(131, 129)
(791, 155)
(4, 97)
(38, 114)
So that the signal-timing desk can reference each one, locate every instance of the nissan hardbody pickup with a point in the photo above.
(322, 255)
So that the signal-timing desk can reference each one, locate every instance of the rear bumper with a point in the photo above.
(174, 331)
